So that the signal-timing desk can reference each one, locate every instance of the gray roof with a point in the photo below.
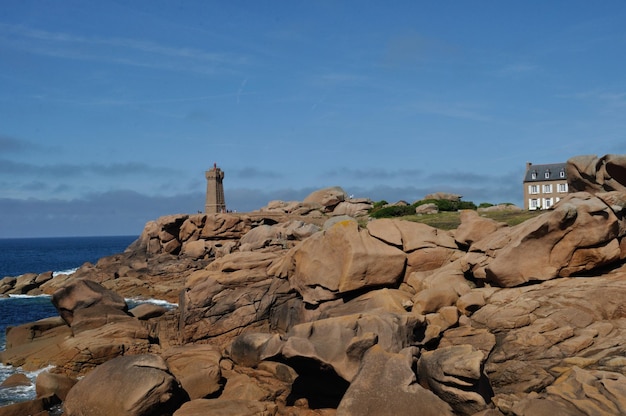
(554, 172)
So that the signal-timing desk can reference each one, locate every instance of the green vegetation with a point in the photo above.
(392, 211)
(379, 210)
(451, 220)
(448, 217)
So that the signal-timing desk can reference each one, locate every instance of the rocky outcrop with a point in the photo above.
(340, 260)
(136, 385)
(427, 209)
(285, 316)
(445, 196)
(456, 375)
(384, 376)
(333, 201)
(28, 283)
(593, 174)
(580, 234)
(197, 368)
(234, 294)
(93, 328)
(474, 228)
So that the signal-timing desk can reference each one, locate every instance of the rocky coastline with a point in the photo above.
(309, 308)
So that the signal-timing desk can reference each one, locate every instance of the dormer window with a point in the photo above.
(547, 174)
(533, 174)
(562, 173)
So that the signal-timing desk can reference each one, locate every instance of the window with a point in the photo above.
(547, 203)
(547, 189)
(547, 174)
(533, 189)
(562, 187)
(533, 174)
(562, 173)
(533, 203)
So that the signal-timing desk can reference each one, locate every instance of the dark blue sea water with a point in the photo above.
(38, 255)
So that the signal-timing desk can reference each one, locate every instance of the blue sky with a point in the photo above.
(111, 111)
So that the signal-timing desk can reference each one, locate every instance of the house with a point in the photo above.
(544, 185)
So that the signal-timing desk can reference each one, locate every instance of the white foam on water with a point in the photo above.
(67, 272)
(9, 395)
(29, 296)
(160, 302)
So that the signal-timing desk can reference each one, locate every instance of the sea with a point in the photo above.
(37, 255)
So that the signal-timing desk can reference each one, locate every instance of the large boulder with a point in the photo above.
(225, 226)
(446, 196)
(580, 234)
(196, 367)
(327, 198)
(97, 334)
(578, 392)
(35, 344)
(29, 283)
(438, 288)
(593, 174)
(48, 383)
(233, 294)
(232, 407)
(343, 259)
(36, 407)
(353, 207)
(386, 385)
(281, 235)
(427, 248)
(169, 234)
(88, 300)
(340, 342)
(474, 228)
(410, 236)
(545, 330)
(456, 375)
(138, 385)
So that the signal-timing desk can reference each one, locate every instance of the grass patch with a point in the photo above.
(451, 220)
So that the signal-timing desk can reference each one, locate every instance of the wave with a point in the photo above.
(67, 272)
(9, 395)
(132, 302)
(137, 301)
(18, 296)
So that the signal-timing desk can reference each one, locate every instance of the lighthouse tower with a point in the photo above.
(215, 202)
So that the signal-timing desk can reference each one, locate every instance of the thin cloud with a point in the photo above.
(517, 69)
(68, 170)
(253, 173)
(612, 101)
(13, 145)
(123, 51)
(464, 177)
(458, 110)
(413, 48)
(125, 212)
(374, 173)
(340, 79)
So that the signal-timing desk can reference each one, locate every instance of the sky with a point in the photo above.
(111, 111)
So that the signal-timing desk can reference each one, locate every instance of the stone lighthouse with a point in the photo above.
(215, 202)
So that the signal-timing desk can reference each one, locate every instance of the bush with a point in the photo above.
(447, 205)
(379, 204)
(393, 211)
(379, 210)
